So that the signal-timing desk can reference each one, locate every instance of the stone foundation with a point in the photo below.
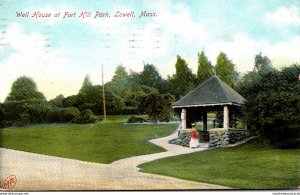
(182, 139)
(236, 135)
(215, 137)
(223, 137)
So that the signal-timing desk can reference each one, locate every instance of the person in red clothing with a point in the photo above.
(194, 143)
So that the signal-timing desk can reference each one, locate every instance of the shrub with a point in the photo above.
(25, 111)
(157, 106)
(86, 116)
(23, 121)
(134, 119)
(36, 110)
(12, 110)
(272, 106)
(68, 114)
(53, 116)
(1, 116)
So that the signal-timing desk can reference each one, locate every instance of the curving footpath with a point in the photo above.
(42, 172)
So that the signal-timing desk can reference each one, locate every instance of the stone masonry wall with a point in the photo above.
(218, 138)
(238, 135)
(221, 137)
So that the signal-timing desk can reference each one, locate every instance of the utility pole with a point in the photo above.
(103, 93)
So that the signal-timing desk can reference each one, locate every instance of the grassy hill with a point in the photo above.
(103, 142)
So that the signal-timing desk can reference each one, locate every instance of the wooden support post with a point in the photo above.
(226, 117)
(183, 118)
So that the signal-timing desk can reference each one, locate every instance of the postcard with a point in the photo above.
(149, 95)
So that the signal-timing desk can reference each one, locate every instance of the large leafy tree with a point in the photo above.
(205, 68)
(120, 81)
(183, 81)
(150, 76)
(57, 101)
(273, 104)
(262, 63)
(122, 90)
(157, 105)
(86, 85)
(90, 96)
(225, 70)
(25, 104)
(120, 75)
(24, 88)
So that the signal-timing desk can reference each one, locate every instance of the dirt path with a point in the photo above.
(42, 172)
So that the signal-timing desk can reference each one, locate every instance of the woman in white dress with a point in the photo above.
(194, 143)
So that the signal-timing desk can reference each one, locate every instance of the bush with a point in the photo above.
(23, 121)
(68, 114)
(25, 112)
(1, 116)
(273, 104)
(36, 110)
(157, 106)
(12, 110)
(134, 119)
(86, 116)
(53, 116)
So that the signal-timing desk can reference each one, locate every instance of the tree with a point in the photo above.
(262, 63)
(114, 103)
(57, 101)
(120, 75)
(157, 106)
(150, 76)
(89, 97)
(86, 85)
(225, 70)
(134, 97)
(25, 104)
(183, 81)
(70, 101)
(119, 83)
(24, 88)
(273, 104)
(205, 69)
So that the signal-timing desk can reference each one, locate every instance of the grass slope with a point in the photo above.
(101, 142)
(249, 166)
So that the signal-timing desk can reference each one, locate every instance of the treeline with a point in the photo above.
(271, 110)
(144, 92)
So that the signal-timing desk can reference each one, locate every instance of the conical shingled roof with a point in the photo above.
(213, 91)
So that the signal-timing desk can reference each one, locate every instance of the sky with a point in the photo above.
(57, 52)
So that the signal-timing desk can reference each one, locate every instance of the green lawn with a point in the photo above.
(249, 166)
(103, 142)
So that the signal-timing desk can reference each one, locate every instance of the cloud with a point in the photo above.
(241, 49)
(178, 34)
(284, 16)
(30, 56)
(284, 53)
